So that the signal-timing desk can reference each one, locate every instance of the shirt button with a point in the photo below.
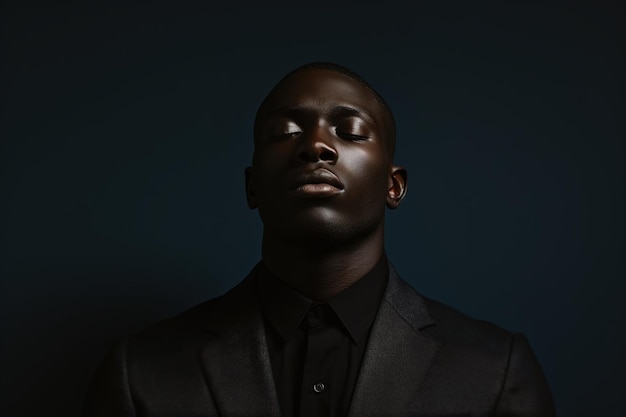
(318, 311)
(319, 387)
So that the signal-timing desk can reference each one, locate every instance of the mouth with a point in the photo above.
(318, 183)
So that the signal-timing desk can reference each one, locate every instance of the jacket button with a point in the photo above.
(319, 387)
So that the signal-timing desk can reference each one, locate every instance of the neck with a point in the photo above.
(318, 270)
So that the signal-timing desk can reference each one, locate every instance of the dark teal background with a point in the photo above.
(126, 128)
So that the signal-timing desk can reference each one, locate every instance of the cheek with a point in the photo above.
(268, 164)
(356, 159)
(368, 172)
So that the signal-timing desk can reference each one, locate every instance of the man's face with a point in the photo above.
(321, 168)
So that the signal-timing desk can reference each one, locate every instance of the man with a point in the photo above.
(323, 325)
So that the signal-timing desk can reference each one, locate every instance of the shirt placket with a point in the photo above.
(315, 399)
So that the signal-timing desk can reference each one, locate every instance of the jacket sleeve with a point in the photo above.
(109, 393)
(525, 392)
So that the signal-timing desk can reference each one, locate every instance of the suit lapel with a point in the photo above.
(236, 362)
(238, 369)
(397, 356)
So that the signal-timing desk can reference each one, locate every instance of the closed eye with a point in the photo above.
(286, 135)
(284, 129)
(352, 136)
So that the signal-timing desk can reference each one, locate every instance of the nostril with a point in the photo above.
(315, 148)
(327, 155)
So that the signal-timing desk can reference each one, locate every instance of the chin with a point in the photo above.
(326, 227)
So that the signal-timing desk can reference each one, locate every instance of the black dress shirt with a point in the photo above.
(316, 348)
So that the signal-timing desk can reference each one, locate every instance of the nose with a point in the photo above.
(318, 146)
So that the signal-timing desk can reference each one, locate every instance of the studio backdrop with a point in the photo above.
(126, 128)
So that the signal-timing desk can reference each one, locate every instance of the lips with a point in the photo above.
(317, 183)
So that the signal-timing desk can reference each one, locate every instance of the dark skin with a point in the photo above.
(321, 176)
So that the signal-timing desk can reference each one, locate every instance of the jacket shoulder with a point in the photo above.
(453, 326)
(496, 365)
(442, 322)
(202, 321)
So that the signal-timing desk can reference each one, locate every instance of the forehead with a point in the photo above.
(322, 90)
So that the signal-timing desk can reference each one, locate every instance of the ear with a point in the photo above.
(397, 186)
(250, 195)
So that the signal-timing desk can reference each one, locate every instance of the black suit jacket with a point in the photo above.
(422, 359)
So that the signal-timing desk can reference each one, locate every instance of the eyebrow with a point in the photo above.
(339, 111)
(348, 111)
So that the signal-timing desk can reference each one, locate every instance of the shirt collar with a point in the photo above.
(356, 306)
